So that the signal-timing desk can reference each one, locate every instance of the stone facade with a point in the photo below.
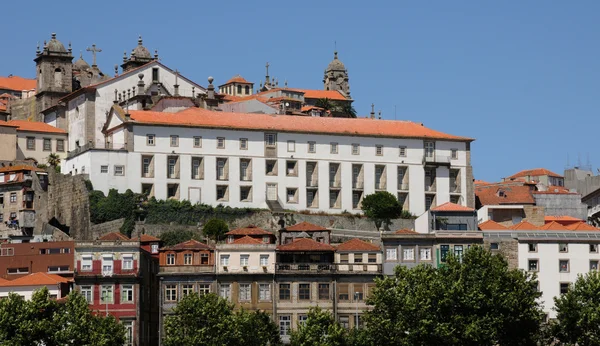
(68, 205)
(507, 247)
(107, 227)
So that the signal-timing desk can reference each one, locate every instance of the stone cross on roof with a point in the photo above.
(94, 50)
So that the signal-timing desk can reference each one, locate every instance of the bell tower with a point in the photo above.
(54, 73)
(336, 77)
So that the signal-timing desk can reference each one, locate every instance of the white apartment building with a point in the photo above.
(293, 162)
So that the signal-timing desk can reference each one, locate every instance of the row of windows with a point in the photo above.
(12, 198)
(408, 254)
(562, 247)
(358, 258)
(564, 265)
(107, 262)
(188, 259)
(107, 293)
(285, 322)
(47, 144)
(271, 139)
(244, 260)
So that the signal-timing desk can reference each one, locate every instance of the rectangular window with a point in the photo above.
(454, 153)
(355, 148)
(30, 143)
(493, 246)
(563, 266)
(174, 141)
(593, 265)
(171, 293)
(224, 260)
(533, 265)
(343, 292)
(358, 257)
(127, 293)
(220, 142)
(291, 146)
(594, 248)
(106, 294)
(150, 140)
(187, 259)
(564, 287)
(408, 254)
(243, 143)
(120, 170)
(425, 254)
(358, 292)
(345, 322)
(391, 254)
(312, 147)
(196, 170)
(334, 148)
(58, 269)
(197, 142)
(402, 151)
(270, 139)
(203, 289)
(271, 167)
(60, 145)
(170, 259)
(203, 259)
(13, 199)
(285, 325)
(379, 150)
(291, 195)
(155, 74)
(171, 168)
(444, 250)
(245, 292)
(222, 194)
(562, 247)
(86, 263)
(186, 289)
(372, 258)
(128, 262)
(532, 247)
(88, 293)
(221, 174)
(302, 319)
(264, 260)
(107, 264)
(245, 193)
(291, 168)
(146, 166)
(304, 291)
(264, 292)
(244, 259)
(458, 252)
(344, 258)
(324, 292)
(284, 292)
(103, 169)
(225, 291)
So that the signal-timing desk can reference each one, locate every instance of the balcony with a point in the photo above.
(306, 267)
(359, 268)
(436, 160)
(187, 269)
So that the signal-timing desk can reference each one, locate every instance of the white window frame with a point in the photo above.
(333, 148)
(225, 291)
(150, 140)
(291, 146)
(270, 139)
(391, 254)
(87, 262)
(120, 168)
(174, 141)
(171, 259)
(355, 149)
(224, 260)
(197, 141)
(105, 290)
(378, 150)
(104, 169)
(243, 143)
(124, 290)
(108, 263)
(408, 254)
(244, 260)
(244, 292)
(312, 147)
(220, 142)
(264, 291)
(127, 261)
(425, 254)
(87, 291)
(402, 151)
(264, 260)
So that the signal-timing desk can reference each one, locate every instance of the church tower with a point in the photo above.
(54, 73)
(139, 56)
(336, 77)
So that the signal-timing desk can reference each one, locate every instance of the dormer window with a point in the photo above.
(501, 193)
(230, 239)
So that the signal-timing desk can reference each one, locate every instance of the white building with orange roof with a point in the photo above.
(58, 286)
(278, 161)
(37, 140)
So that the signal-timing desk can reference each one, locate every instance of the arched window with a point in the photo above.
(247, 90)
(239, 89)
(58, 78)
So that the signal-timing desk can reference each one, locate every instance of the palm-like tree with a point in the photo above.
(326, 104)
(53, 160)
(349, 110)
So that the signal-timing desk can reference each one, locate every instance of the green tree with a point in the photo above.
(326, 104)
(381, 207)
(476, 301)
(578, 312)
(215, 229)
(171, 238)
(256, 329)
(53, 160)
(348, 110)
(320, 328)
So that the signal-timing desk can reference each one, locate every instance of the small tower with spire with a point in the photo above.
(140, 55)
(336, 77)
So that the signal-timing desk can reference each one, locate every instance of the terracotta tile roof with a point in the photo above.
(582, 226)
(17, 83)
(188, 245)
(555, 190)
(449, 206)
(6, 124)
(230, 98)
(18, 168)
(145, 238)
(35, 279)
(35, 126)
(524, 226)
(237, 79)
(535, 172)
(305, 227)
(247, 240)
(322, 94)
(357, 245)
(250, 230)
(405, 231)
(114, 236)
(491, 225)
(553, 226)
(198, 117)
(512, 194)
(305, 244)
(561, 218)
(2, 281)
(481, 182)
(309, 108)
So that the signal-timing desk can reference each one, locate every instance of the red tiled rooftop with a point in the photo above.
(18, 168)
(449, 206)
(513, 194)
(35, 126)
(188, 245)
(250, 230)
(305, 244)
(535, 172)
(357, 245)
(199, 117)
(6, 124)
(405, 231)
(247, 240)
(322, 94)
(17, 83)
(305, 227)
(553, 226)
(237, 79)
(35, 279)
(561, 218)
(582, 226)
(491, 225)
(114, 236)
(524, 226)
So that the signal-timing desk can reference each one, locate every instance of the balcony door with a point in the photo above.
(272, 192)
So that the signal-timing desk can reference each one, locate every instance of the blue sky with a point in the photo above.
(521, 77)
